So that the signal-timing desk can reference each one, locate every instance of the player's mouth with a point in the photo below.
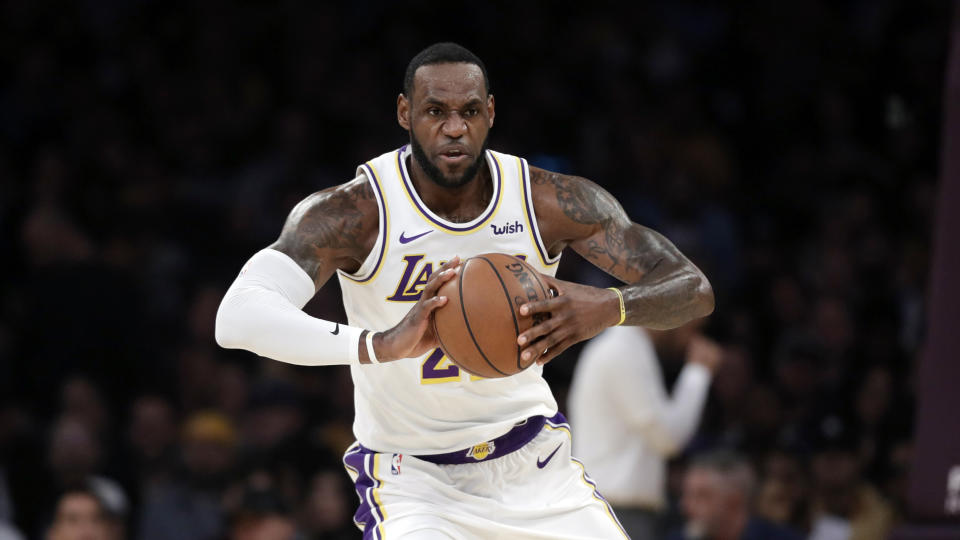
(454, 155)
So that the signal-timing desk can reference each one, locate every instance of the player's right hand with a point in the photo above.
(413, 336)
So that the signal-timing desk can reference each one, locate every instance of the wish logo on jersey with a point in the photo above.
(482, 450)
(508, 228)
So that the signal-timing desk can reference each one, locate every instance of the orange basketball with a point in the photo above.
(479, 325)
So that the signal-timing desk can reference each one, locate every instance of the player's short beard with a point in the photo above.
(436, 175)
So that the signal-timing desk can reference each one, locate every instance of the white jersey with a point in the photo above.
(427, 405)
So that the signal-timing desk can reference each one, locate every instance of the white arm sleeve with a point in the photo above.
(262, 313)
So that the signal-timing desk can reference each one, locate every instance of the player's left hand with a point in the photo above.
(577, 312)
(413, 336)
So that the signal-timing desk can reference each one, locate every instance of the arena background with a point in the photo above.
(148, 148)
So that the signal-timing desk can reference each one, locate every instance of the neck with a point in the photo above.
(456, 204)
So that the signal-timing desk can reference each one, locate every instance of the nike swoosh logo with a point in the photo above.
(336, 330)
(407, 239)
(542, 464)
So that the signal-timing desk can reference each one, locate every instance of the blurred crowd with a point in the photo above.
(148, 148)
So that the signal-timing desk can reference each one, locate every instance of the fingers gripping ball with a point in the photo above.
(479, 325)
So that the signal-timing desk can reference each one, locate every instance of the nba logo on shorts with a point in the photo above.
(395, 464)
(482, 450)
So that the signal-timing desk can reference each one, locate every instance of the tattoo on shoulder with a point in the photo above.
(579, 199)
(330, 219)
(338, 222)
(623, 248)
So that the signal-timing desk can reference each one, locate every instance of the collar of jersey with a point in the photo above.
(433, 219)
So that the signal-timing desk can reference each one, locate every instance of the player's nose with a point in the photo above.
(455, 126)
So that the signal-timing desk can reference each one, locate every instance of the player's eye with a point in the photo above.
(433, 111)
(470, 113)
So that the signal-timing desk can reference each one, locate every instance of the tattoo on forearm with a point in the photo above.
(665, 289)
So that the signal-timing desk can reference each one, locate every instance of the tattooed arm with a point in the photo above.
(664, 289)
(330, 230)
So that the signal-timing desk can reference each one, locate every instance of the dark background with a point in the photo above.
(147, 149)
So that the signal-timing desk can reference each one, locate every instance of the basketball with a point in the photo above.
(479, 325)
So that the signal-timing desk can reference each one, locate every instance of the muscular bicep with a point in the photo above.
(332, 229)
(576, 212)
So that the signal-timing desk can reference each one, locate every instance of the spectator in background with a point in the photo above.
(188, 508)
(262, 515)
(82, 515)
(81, 400)
(326, 512)
(718, 491)
(799, 370)
(152, 438)
(627, 425)
(274, 436)
(74, 456)
(274, 418)
(844, 506)
(784, 490)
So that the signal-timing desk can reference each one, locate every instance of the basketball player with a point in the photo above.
(441, 453)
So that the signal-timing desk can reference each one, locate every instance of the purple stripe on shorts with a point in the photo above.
(559, 419)
(596, 492)
(368, 514)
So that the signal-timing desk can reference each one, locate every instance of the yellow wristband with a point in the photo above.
(623, 309)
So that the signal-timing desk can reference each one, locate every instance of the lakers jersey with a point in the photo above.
(428, 405)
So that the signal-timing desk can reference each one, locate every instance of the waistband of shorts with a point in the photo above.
(509, 442)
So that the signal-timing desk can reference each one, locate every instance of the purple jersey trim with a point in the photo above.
(532, 218)
(384, 226)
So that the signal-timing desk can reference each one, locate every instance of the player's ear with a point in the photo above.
(403, 112)
(491, 110)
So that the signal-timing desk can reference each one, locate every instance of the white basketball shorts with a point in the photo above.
(522, 485)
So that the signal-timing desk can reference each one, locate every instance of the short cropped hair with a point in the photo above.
(442, 53)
